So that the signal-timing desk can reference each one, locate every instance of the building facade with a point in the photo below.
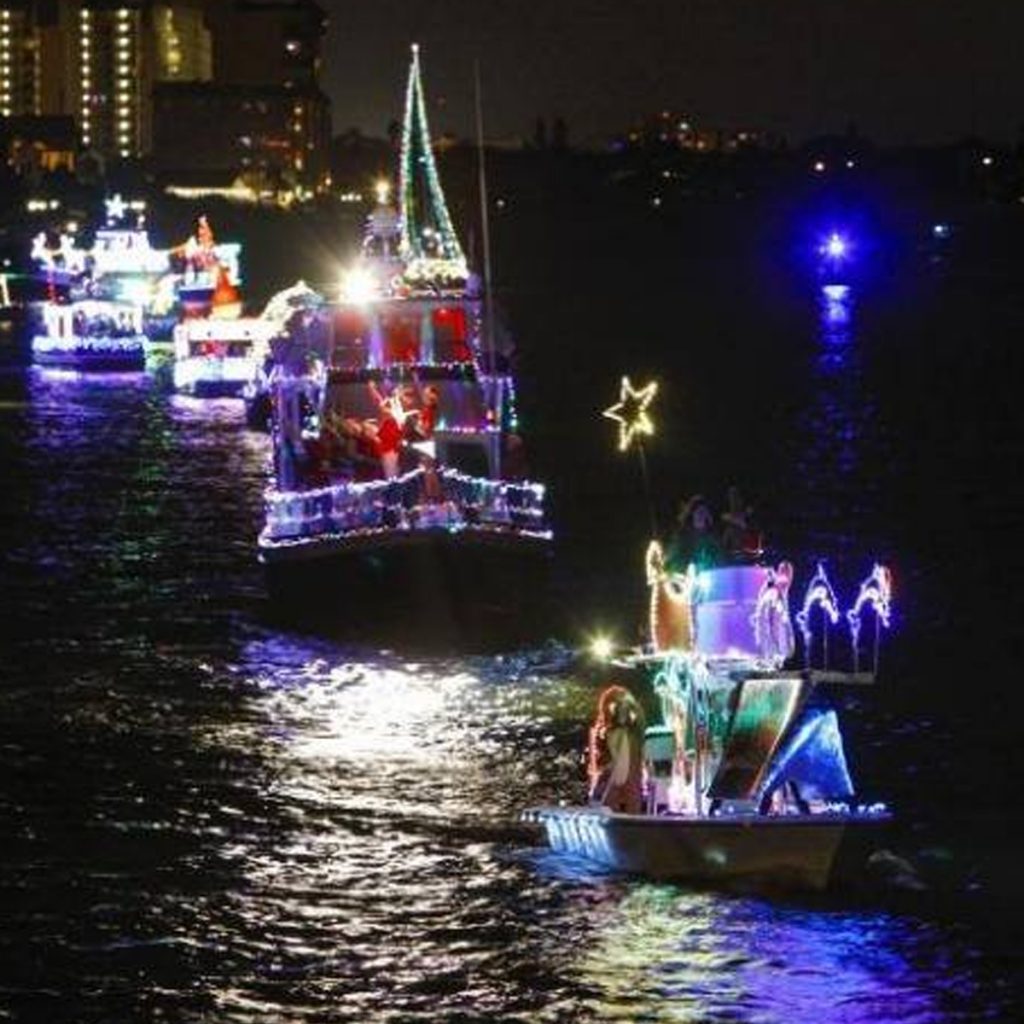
(132, 72)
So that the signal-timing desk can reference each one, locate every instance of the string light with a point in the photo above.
(630, 412)
(875, 592)
(353, 508)
(431, 251)
(819, 595)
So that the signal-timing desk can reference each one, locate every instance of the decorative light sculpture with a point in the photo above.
(427, 233)
(819, 595)
(773, 630)
(631, 412)
(876, 592)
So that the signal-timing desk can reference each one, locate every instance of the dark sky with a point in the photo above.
(903, 70)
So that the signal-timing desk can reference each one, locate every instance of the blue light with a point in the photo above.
(836, 246)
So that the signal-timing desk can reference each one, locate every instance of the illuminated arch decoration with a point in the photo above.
(428, 243)
(876, 593)
(671, 603)
(631, 412)
(773, 629)
(819, 595)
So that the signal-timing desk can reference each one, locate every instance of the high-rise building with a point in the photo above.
(115, 78)
(16, 60)
(254, 64)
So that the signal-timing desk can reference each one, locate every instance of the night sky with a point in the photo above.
(901, 70)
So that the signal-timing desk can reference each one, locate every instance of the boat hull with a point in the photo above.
(213, 377)
(791, 851)
(480, 589)
(92, 361)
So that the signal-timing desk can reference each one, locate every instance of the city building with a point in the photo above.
(171, 82)
(263, 117)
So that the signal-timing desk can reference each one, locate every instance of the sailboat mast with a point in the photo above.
(488, 333)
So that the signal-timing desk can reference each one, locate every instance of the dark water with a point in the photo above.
(203, 818)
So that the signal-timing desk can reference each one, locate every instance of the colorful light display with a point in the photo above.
(396, 505)
(428, 244)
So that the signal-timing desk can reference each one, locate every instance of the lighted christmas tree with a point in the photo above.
(429, 244)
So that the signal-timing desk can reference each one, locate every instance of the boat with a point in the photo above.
(199, 277)
(744, 778)
(217, 358)
(288, 306)
(207, 274)
(90, 334)
(398, 494)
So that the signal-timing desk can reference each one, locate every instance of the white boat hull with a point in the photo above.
(788, 850)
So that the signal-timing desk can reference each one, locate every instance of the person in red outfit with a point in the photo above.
(393, 410)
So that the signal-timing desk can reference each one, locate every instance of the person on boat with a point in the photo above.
(393, 410)
(694, 541)
(616, 754)
(740, 539)
(423, 422)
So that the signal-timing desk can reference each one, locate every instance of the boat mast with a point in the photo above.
(488, 320)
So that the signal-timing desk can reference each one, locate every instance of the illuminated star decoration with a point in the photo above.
(630, 412)
(116, 207)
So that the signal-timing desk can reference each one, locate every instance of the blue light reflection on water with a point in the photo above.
(702, 957)
(206, 819)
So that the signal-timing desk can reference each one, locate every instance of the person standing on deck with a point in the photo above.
(393, 413)
(424, 422)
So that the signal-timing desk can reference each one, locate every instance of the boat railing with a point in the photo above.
(401, 505)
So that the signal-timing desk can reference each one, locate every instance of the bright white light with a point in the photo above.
(835, 246)
(358, 285)
(601, 648)
(819, 166)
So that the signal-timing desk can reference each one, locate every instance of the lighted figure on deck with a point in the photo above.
(819, 595)
(875, 591)
(772, 627)
(631, 412)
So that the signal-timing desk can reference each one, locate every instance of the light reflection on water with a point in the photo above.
(207, 820)
(701, 957)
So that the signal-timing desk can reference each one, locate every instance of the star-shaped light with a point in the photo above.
(116, 207)
(630, 412)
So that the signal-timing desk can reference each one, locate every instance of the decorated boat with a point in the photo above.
(207, 275)
(199, 277)
(90, 334)
(743, 778)
(398, 478)
(289, 307)
(215, 357)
